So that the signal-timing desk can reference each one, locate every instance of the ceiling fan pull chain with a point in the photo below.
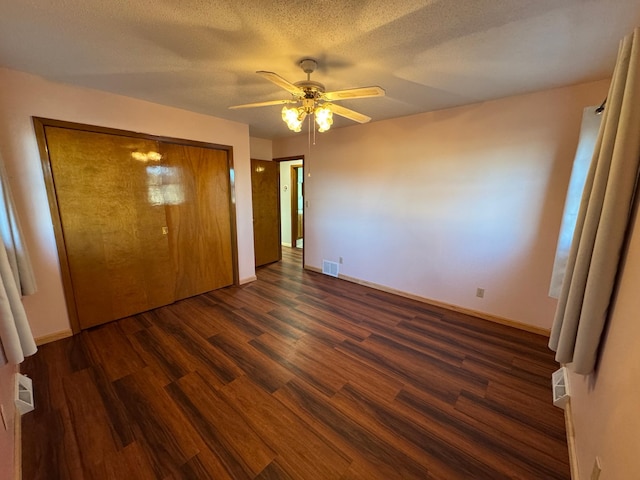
(307, 160)
(314, 127)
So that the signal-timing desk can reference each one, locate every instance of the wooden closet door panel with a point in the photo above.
(265, 192)
(112, 222)
(199, 219)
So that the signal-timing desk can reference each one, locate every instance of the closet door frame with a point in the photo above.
(41, 123)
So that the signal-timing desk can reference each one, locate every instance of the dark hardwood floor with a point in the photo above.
(295, 376)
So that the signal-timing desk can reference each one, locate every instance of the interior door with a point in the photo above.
(113, 223)
(265, 189)
(297, 206)
(196, 187)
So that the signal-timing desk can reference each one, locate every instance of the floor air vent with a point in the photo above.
(330, 268)
(24, 394)
(560, 387)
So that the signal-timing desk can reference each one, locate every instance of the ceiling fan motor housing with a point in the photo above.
(311, 89)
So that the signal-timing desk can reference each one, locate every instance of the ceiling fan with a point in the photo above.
(312, 99)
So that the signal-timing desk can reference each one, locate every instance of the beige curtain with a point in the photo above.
(602, 219)
(16, 280)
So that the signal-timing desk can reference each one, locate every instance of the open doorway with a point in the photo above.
(292, 202)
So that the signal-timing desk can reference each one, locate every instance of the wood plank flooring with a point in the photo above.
(295, 376)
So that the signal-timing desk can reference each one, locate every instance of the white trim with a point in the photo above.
(52, 337)
(17, 446)
(571, 441)
(17, 437)
(250, 279)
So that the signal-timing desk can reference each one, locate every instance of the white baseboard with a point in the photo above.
(17, 446)
(17, 439)
(250, 279)
(52, 337)
(571, 441)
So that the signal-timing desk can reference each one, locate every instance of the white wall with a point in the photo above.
(7, 392)
(23, 96)
(261, 148)
(606, 404)
(439, 204)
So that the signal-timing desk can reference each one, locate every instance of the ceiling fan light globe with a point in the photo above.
(324, 118)
(291, 117)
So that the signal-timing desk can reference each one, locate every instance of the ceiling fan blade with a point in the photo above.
(350, 114)
(262, 104)
(361, 92)
(281, 82)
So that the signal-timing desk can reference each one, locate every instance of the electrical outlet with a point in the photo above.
(4, 419)
(340, 261)
(595, 472)
(480, 293)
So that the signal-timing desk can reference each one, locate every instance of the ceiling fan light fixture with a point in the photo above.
(324, 118)
(312, 99)
(293, 117)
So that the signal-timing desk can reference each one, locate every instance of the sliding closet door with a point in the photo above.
(199, 218)
(113, 219)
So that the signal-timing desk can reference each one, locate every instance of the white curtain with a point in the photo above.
(602, 219)
(586, 145)
(16, 280)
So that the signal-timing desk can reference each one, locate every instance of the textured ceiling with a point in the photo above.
(202, 55)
